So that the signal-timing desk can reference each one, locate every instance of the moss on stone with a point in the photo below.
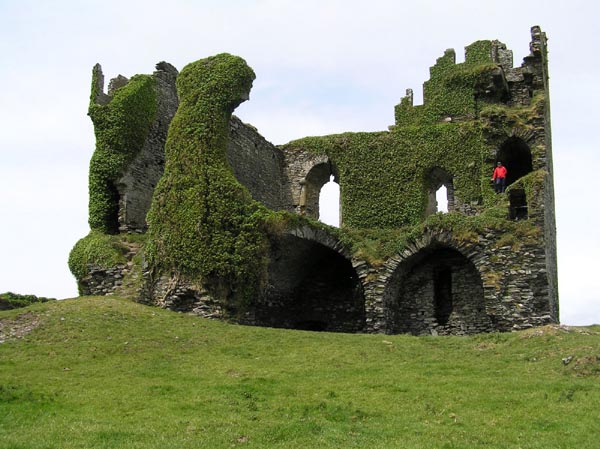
(204, 224)
(501, 117)
(97, 248)
(394, 168)
(121, 128)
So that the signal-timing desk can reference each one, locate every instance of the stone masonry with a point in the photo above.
(440, 283)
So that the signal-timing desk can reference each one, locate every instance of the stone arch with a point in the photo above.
(435, 287)
(515, 154)
(311, 285)
(434, 179)
(316, 177)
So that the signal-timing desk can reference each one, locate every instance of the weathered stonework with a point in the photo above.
(136, 186)
(257, 164)
(488, 265)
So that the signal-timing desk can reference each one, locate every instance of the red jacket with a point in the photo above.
(499, 172)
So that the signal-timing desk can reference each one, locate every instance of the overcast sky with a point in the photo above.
(323, 66)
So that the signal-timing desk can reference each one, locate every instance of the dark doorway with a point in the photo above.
(517, 204)
(112, 210)
(442, 294)
(515, 155)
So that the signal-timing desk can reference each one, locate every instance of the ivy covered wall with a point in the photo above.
(121, 120)
(383, 176)
(466, 117)
(203, 224)
(210, 241)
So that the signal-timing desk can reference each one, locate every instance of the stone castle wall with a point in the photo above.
(137, 184)
(440, 283)
(257, 164)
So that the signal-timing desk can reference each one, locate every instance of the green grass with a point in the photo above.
(107, 373)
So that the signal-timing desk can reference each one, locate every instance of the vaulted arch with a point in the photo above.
(311, 286)
(436, 290)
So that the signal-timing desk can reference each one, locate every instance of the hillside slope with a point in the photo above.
(102, 372)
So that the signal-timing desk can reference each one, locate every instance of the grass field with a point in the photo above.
(102, 372)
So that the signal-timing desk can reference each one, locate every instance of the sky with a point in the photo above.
(323, 67)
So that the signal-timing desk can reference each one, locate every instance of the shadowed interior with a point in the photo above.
(311, 287)
(437, 290)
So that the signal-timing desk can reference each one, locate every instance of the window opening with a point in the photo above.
(441, 198)
(440, 191)
(329, 203)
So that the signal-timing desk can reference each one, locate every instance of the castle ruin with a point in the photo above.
(193, 210)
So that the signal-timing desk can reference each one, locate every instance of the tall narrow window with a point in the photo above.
(440, 191)
(441, 198)
(329, 203)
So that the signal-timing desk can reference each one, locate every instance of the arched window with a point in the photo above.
(320, 194)
(440, 191)
(329, 203)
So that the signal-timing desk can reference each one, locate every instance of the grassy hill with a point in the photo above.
(103, 372)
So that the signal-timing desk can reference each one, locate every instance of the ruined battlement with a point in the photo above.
(459, 91)
(228, 222)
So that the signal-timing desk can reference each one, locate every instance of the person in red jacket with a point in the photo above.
(499, 178)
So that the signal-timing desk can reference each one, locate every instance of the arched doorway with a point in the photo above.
(437, 290)
(312, 287)
(515, 155)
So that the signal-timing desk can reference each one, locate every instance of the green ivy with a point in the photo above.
(97, 248)
(453, 89)
(453, 130)
(393, 167)
(203, 224)
(121, 128)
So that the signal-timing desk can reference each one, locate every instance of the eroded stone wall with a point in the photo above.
(438, 291)
(490, 280)
(495, 287)
(137, 184)
(305, 175)
(257, 164)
